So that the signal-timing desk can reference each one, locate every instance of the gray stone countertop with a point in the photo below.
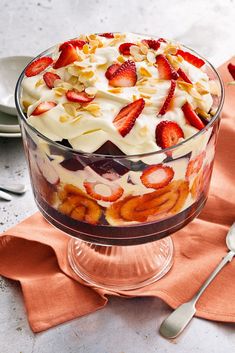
(124, 325)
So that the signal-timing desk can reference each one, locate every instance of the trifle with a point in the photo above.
(119, 131)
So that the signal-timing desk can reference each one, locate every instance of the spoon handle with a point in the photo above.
(175, 323)
(14, 188)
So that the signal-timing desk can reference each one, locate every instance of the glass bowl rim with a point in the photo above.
(93, 154)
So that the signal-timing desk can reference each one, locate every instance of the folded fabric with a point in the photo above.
(35, 253)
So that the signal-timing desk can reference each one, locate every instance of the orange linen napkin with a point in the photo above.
(35, 253)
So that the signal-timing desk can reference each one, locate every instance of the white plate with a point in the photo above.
(10, 70)
(10, 134)
(8, 123)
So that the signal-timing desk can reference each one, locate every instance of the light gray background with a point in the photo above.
(123, 326)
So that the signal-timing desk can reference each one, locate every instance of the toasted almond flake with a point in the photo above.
(203, 114)
(121, 59)
(73, 80)
(26, 104)
(63, 118)
(93, 108)
(194, 93)
(143, 130)
(90, 131)
(115, 90)
(66, 85)
(79, 87)
(70, 109)
(120, 36)
(185, 86)
(143, 48)
(85, 49)
(170, 49)
(151, 57)
(59, 91)
(141, 81)
(173, 60)
(147, 90)
(91, 91)
(145, 72)
(134, 49)
(92, 37)
(74, 70)
(134, 97)
(86, 75)
(143, 95)
(39, 83)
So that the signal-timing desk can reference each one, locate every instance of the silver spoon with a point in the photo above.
(175, 323)
(14, 188)
(5, 196)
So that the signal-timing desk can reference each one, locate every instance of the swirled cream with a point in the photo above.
(89, 125)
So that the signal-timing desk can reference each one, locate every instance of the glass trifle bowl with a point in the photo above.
(119, 133)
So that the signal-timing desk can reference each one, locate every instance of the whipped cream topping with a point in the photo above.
(88, 126)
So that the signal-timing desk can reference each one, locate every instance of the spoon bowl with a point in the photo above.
(10, 69)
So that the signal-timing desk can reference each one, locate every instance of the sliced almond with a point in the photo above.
(91, 91)
(93, 108)
(86, 75)
(170, 49)
(203, 114)
(143, 95)
(115, 90)
(63, 118)
(151, 57)
(73, 80)
(59, 91)
(86, 49)
(74, 70)
(147, 90)
(141, 82)
(121, 59)
(143, 131)
(39, 83)
(145, 72)
(26, 104)
(70, 109)
(143, 48)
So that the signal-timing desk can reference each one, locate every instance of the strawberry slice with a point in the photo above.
(37, 66)
(107, 35)
(165, 70)
(190, 58)
(67, 56)
(110, 70)
(127, 116)
(231, 69)
(114, 191)
(153, 43)
(43, 107)
(183, 75)
(125, 75)
(76, 43)
(192, 117)
(49, 79)
(195, 165)
(168, 98)
(78, 97)
(125, 48)
(157, 176)
(168, 133)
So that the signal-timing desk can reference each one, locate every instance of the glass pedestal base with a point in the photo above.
(121, 267)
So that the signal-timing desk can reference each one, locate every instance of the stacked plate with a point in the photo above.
(10, 69)
(9, 126)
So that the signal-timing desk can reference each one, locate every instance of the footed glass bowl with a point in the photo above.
(102, 201)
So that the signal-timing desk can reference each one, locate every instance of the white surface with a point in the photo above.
(10, 69)
(124, 325)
